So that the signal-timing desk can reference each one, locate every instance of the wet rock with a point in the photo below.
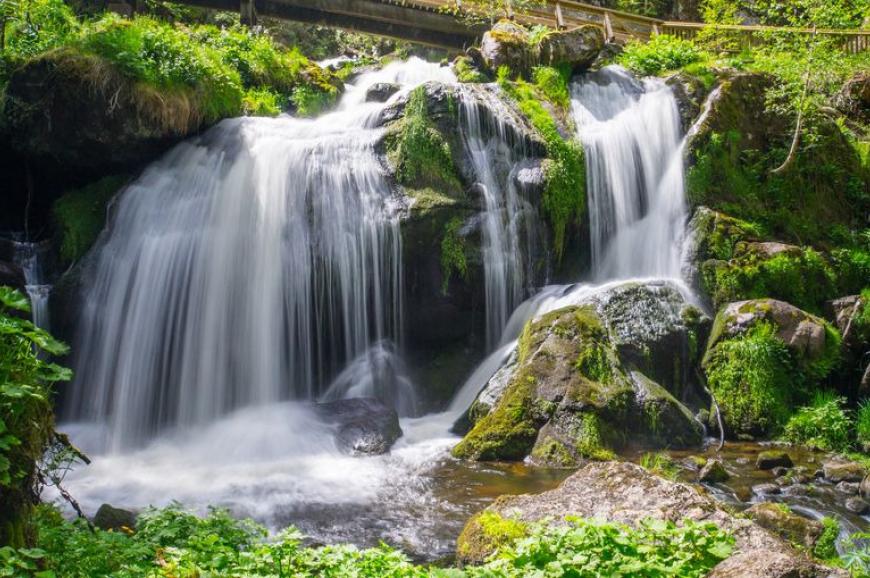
(850, 488)
(364, 426)
(778, 518)
(767, 460)
(843, 312)
(576, 48)
(690, 92)
(766, 489)
(797, 490)
(857, 505)
(779, 471)
(381, 91)
(713, 472)
(116, 519)
(626, 493)
(838, 470)
(578, 386)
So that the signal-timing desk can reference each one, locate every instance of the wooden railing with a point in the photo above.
(621, 26)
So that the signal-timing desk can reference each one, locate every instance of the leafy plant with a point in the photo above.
(660, 464)
(26, 420)
(662, 53)
(823, 424)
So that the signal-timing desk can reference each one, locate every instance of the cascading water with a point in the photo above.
(28, 256)
(630, 132)
(509, 222)
(245, 267)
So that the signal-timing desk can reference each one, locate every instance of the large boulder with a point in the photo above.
(115, 519)
(760, 356)
(582, 382)
(779, 519)
(364, 426)
(853, 100)
(510, 44)
(626, 493)
(576, 48)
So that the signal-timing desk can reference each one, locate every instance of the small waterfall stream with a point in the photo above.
(30, 256)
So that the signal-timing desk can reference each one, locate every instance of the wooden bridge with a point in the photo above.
(436, 23)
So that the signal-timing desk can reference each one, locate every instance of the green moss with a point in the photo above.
(465, 71)
(752, 377)
(509, 430)
(420, 154)
(552, 452)
(660, 464)
(81, 215)
(564, 197)
(453, 259)
(826, 545)
(802, 277)
(486, 532)
(593, 362)
(589, 441)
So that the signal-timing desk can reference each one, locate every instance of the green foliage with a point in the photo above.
(660, 464)
(31, 27)
(420, 154)
(663, 53)
(81, 214)
(564, 198)
(862, 422)
(465, 71)
(824, 424)
(453, 258)
(552, 83)
(652, 8)
(173, 543)
(802, 278)
(26, 423)
(752, 377)
(826, 545)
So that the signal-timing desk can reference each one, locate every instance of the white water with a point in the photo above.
(246, 267)
(27, 256)
(509, 220)
(631, 136)
(224, 289)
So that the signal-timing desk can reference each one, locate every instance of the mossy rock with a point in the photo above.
(568, 396)
(763, 357)
(485, 533)
(795, 529)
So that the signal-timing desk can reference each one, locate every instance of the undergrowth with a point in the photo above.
(174, 543)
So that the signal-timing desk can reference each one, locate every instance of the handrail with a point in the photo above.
(761, 28)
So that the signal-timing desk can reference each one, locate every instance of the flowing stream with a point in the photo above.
(258, 267)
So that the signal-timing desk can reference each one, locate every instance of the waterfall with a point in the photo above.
(630, 132)
(509, 222)
(247, 266)
(29, 256)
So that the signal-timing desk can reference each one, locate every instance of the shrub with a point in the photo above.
(662, 53)
(823, 424)
(826, 545)
(31, 27)
(660, 464)
(26, 420)
(173, 542)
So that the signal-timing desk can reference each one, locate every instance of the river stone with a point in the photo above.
(857, 505)
(381, 91)
(839, 470)
(364, 426)
(864, 488)
(769, 459)
(766, 489)
(110, 518)
(626, 493)
(849, 488)
(713, 472)
(791, 527)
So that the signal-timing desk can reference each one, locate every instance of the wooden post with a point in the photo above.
(247, 12)
(608, 27)
(560, 21)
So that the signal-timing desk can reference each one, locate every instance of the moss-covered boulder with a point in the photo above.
(510, 44)
(626, 493)
(779, 519)
(762, 358)
(579, 384)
